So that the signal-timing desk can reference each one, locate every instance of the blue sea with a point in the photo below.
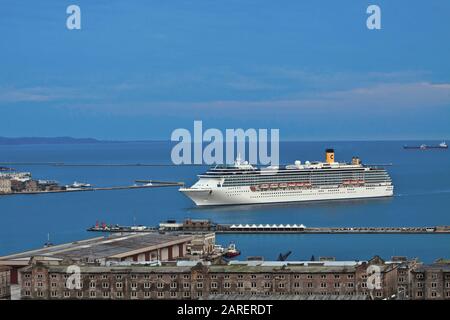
(422, 198)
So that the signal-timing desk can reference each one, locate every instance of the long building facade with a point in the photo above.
(375, 279)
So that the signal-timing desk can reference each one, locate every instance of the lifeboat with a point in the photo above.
(253, 188)
(299, 184)
(264, 186)
(292, 184)
(283, 185)
(273, 185)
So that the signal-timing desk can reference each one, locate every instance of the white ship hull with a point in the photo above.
(244, 195)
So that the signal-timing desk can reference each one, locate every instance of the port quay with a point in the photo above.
(198, 225)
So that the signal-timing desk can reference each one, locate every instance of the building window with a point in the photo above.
(214, 276)
(240, 276)
(186, 294)
(173, 285)
(160, 294)
(146, 285)
(309, 285)
(133, 276)
(350, 276)
(146, 294)
(53, 284)
(173, 294)
(118, 285)
(253, 284)
(92, 294)
(350, 285)
(296, 285)
(27, 293)
(434, 284)
(226, 285)
(281, 285)
(186, 276)
(119, 294)
(323, 276)
(91, 277)
(267, 276)
(54, 294)
(186, 285)
(133, 285)
(199, 294)
(159, 276)
(92, 285)
(119, 277)
(105, 285)
(105, 294)
(240, 284)
(309, 276)
(134, 294)
(160, 285)
(253, 276)
(79, 294)
(174, 276)
(419, 293)
(214, 285)
(199, 285)
(267, 285)
(323, 285)
(433, 294)
(53, 276)
(104, 276)
(336, 276)
(337, 285)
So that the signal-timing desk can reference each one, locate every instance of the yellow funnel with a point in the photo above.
(329, 155)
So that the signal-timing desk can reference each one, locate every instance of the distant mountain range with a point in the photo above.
(44, 140)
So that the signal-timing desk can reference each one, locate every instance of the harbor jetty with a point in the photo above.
(195, 226)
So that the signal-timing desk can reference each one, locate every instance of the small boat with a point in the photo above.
(273, 185)
(283, 185)
(231, 251)
(79, 185)
(292, 184)
(265, 186)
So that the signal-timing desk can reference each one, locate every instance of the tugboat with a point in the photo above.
(231, 251)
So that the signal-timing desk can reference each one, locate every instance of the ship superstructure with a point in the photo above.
(243, 183)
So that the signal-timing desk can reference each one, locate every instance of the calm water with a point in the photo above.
(422, 197)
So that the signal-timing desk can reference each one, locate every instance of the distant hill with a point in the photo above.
(43, 140)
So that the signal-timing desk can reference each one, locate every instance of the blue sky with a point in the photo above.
(140, 69)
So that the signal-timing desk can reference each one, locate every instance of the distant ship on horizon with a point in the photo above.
(441, 145)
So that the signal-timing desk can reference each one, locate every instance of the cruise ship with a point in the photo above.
(243, 183)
